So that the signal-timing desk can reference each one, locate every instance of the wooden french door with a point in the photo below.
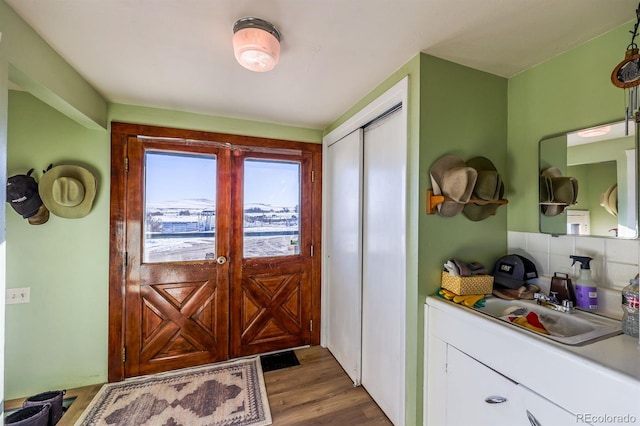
(218, 237)
(177, 297)
(271, 301)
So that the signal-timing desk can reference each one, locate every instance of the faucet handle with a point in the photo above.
(567, 305)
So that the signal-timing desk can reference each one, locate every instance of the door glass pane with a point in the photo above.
(271, 208)
(179, 207)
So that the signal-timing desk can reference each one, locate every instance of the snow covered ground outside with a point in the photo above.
(194, 249)
(279, 221)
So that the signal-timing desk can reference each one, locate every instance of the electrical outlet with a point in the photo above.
(17, 295)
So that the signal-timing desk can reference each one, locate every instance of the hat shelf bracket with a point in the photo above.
(434, 200)
(553, 203)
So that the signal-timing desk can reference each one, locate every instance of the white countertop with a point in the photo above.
(619, 354)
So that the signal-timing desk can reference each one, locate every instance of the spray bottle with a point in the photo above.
(586, 290)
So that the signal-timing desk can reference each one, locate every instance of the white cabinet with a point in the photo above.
(479, 395)
(470, 357)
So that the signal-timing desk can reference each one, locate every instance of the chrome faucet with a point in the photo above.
(552, 302)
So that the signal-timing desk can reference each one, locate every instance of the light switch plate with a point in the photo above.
(17, 295)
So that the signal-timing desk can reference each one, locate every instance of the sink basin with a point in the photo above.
(578, 328)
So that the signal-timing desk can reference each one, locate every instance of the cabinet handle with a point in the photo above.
(532, 419)
(494, 399)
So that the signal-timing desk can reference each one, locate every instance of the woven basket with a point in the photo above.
(476, 284)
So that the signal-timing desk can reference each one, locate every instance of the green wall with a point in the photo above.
(59, 339)
(4, 83)
(462, 112)
(208, 123)
(452, 110)
(568, 92)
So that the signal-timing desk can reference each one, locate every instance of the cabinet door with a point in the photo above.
(478, 395)
(541, 412)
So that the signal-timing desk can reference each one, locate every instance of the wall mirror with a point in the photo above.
(603, 162)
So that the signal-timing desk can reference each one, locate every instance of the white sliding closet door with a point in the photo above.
(344, 253)
(384, 263)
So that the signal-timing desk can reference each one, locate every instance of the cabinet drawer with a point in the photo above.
(478, 395)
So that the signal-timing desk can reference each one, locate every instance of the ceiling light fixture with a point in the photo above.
(256, 44)
(594, 132)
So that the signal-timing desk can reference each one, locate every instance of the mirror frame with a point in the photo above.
(564, 135)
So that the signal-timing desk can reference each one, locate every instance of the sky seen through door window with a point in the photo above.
(174, 176)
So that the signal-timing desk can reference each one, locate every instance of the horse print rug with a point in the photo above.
(231, 393)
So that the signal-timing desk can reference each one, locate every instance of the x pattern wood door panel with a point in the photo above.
(177, 320)
(180, 321)
(271, 310)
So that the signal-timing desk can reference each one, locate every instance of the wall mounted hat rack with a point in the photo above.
(434, 200)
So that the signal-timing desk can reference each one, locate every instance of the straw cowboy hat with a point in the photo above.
(555, 188)
(609, 200)
(68, 191)
(451, 177)
(488, 187)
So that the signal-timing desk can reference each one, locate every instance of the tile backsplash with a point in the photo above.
(614, 261)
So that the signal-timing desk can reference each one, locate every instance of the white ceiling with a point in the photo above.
(177, 54)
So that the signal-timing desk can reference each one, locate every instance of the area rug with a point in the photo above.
(229, 394)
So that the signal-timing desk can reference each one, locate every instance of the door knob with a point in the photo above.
(221, 260)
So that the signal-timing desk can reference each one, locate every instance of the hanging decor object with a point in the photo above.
(626, 75)
(256, 44)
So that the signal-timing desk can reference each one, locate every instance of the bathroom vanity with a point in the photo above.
(481, 370)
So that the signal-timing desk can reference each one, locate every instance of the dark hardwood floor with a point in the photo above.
(315, 392)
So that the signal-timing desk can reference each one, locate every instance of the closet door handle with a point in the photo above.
(495, 399)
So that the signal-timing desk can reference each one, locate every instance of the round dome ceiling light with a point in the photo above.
(256, 44)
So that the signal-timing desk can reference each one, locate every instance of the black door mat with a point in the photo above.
(279, 360)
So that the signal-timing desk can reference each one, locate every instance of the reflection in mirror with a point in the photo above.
(603, 162)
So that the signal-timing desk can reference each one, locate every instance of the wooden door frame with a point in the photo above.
(120, 132)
